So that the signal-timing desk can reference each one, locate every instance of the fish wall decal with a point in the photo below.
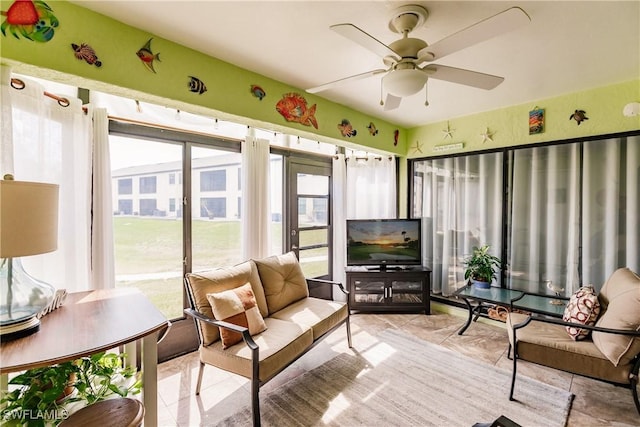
(293, 107)
(372, 129)
(258, 92)
(196, 85)
(147, 56)
(86, 52)
(33, 20)
(346, 129)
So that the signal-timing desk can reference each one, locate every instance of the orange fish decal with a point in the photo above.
(293, 107)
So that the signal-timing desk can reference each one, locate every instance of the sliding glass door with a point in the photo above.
(460, 202)
(216, 193)
(147, 219)
(610, 207)
(544, 217)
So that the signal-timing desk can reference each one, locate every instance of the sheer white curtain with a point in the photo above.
(102, 247)
(545, 219)
(371, 187)
(611, 208)
(339, 175)
(460, 202)
(255, 198)
(51, 143)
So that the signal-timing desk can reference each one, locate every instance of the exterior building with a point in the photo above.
(155, 190)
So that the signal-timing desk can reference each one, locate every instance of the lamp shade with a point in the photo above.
(28, 218)
(405, 82)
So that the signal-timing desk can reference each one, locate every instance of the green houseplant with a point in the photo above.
(481, 267)
(44, 396)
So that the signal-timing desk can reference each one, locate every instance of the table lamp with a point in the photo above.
(28, 226)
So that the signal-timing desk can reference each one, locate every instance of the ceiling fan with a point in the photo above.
(404, 58)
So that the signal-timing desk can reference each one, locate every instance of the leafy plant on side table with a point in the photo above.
(45, 396)
(481, 267)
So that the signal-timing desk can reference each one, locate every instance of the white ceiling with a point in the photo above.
(569, 46)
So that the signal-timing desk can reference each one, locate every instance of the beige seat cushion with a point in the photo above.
(318, 314)
(222, 279)
(550, 345)
(283, 280)
(620, 299)
(282, 343)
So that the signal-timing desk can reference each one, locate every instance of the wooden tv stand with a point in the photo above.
(389, 290)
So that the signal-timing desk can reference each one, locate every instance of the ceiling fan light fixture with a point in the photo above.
(404, 82)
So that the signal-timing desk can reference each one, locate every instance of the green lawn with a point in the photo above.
(148, 255)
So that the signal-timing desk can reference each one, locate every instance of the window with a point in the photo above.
(172, 205)
(125, 186)
(213, 180)
(213, 207)
(147, 184)
(148, 207)
(125, 207)
(172, 178)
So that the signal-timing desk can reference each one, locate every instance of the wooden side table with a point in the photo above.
(91, 322)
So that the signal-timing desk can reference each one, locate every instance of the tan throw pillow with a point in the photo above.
(237, 306)
(282, 279)
(620, 299)
(200, 284)
(583, 308)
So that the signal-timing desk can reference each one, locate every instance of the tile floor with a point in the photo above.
(595, 403)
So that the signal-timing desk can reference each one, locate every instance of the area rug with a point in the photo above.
(404, 381)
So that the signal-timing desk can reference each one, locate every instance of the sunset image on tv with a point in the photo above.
(393, 242)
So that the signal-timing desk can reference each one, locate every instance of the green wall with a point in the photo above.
(228, 95)
(510, 126)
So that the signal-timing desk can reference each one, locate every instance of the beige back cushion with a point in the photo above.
(220, 280)
(283, 280)
(620, 300)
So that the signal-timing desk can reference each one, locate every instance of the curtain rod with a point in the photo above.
(63, 102)
(171, 128)
(363, 158)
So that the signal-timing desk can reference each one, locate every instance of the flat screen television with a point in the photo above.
(384, 242)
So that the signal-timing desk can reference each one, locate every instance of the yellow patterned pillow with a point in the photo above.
(237, 306)
(583, 308)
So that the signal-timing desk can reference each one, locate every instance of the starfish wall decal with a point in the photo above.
(487, 135)
(417, 148)
(448, 132)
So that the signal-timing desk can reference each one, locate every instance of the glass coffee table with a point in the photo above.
(548, 305)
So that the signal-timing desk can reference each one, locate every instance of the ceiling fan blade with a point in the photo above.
(392, 102)
(463, 77)
(493, 26)
(365, 40)
(339, 82)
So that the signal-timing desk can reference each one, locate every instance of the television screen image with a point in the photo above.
(382, 242)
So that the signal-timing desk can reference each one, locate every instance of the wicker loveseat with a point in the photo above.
(294, 321)
(610, 353)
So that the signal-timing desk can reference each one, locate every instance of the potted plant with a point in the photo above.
(46, 396)
(481, 267)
